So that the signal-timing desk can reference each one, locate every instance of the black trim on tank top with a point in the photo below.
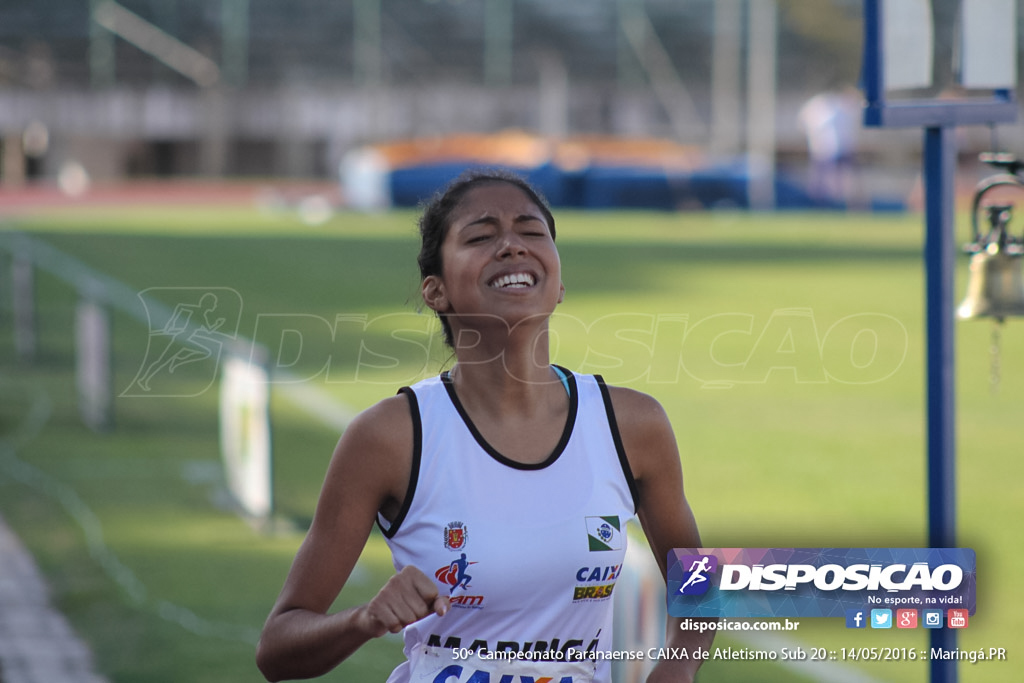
(414, 470)
(617, 439)
(570, 422)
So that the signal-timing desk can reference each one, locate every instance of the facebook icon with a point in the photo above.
(856, 618)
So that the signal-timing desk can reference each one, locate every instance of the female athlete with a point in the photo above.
(502, 486)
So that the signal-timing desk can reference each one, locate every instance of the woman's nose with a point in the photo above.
(511, 244)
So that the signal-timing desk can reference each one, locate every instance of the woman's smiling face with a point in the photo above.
(499, 259)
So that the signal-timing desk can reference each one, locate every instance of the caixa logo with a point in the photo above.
(459, 674)
(698, 569)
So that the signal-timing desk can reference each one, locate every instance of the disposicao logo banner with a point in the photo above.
(816, 582)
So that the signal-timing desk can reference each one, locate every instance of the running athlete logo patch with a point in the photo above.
(604, 533)
(454, 575)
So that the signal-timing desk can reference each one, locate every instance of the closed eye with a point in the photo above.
(531, 226)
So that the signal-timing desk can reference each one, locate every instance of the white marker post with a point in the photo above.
(93, 367)
(245, 435)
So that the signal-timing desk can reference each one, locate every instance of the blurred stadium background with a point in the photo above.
(256, 88)
(152, 151)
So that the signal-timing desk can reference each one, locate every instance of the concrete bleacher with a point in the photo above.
(314, 40)
(309, 94)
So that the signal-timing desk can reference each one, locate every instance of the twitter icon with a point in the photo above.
(881, 618)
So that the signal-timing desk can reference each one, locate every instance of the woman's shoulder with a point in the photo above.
(390, 422)
(373, 458)
(645, 430)
(385, 424)
(635, 408)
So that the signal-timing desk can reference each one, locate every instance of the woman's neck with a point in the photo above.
(514, 375)
(500, 392)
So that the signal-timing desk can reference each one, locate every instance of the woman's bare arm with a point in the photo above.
(369, 471)
(664, 512)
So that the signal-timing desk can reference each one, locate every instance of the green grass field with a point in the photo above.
(787, 349)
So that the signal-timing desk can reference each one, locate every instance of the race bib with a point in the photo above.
(444, 665)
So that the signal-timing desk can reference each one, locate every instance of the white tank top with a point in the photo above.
(529, 554)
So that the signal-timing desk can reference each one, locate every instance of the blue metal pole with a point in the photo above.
(940, 256)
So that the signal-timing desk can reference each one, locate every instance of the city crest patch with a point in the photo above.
(455, 536)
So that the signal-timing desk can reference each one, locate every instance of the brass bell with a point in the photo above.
(995, 288)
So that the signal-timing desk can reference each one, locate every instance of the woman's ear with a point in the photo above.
(434, 294)
(561, 292)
